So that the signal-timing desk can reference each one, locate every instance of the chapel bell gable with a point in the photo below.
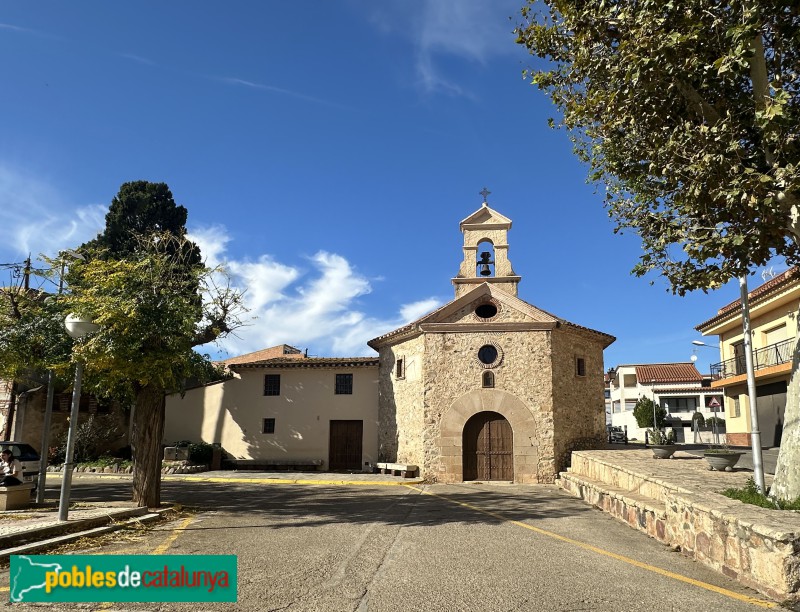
(485, 252)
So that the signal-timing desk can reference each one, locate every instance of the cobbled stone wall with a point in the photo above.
(676, 503)
(578, 406)
(423, 416)
(400, 403)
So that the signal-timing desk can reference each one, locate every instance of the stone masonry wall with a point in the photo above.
(452, 369)
(756, 546)
(400, 413)
(578, 405)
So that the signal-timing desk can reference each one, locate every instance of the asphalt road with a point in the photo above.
(460, 547)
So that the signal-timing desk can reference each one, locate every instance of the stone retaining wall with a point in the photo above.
(758, 547)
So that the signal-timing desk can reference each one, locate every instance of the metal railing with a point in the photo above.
(772, 355)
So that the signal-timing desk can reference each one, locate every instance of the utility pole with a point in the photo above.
(26, 274)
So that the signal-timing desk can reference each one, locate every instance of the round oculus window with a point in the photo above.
(486, 311)
(487, 354)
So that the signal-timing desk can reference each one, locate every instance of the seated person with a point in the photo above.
(10, 469)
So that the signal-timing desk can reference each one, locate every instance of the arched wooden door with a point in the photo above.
(488, 448)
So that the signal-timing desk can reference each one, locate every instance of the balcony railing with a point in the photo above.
(772, 355)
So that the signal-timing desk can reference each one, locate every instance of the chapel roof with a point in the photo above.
(534, 312)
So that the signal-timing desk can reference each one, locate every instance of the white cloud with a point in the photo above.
(212, 241)
(317, 308)
(34, 218)
(474, 31)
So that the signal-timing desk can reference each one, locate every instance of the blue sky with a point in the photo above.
(326, 152)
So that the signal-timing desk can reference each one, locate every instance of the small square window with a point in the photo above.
(272, 384)
(400, 368)
(344, 384)
(268, 426)
(580, 366)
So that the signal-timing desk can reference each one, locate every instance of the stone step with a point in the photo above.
(641, 512)
(43, 545)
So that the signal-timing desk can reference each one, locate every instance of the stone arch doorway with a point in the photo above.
(488, 443)
(526, 468)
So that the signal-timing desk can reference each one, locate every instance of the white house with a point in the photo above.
(677, 387)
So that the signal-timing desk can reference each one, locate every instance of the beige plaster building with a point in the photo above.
(489, 387)
(773, 321)
(285, 411)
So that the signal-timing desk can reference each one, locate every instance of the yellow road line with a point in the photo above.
(284, 481)
(645, 566)
(160, 550)
(277, 481)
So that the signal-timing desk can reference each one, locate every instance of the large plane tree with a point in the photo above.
(144, 283)
(688, 113)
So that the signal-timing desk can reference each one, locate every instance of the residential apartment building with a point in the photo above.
(677, 387)
(773, 308)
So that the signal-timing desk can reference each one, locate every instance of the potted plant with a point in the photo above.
(663, 444)
(722, 458)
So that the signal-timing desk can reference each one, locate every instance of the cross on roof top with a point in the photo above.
(484, 192)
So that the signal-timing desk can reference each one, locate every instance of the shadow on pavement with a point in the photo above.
(279, 506)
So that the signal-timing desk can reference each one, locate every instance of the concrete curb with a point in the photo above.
(260, 479)
(299, 481)
(42, 538)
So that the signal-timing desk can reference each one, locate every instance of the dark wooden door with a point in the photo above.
(345, 445)
(488, 448)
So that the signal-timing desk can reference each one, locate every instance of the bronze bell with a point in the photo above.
(485, 271)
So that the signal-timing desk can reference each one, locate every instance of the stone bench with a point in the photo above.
(398, 469)
(16, 497)
(297, 465)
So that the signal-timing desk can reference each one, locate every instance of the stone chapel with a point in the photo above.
(488, 386)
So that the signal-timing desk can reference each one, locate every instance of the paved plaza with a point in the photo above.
(362, 547)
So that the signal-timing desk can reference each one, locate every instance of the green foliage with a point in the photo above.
(687, 114)
(749, 494)
(659, 437)
(698, 418)
(105, 461)
(32, 334)
(643, 413)
(712, 420)
(93, 436)
(199, 452)
(141, 209)
(146, 306)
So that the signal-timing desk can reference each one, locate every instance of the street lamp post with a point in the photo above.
(76, 328)
(51, 382)
(755, 433)
(653, 390)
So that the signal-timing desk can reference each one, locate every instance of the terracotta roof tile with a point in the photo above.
(668, 372)
(757, 294)
(310, 362)
(282, 350)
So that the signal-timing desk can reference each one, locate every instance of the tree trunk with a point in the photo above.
(12, 405)
(786, 484)
(148, 431)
